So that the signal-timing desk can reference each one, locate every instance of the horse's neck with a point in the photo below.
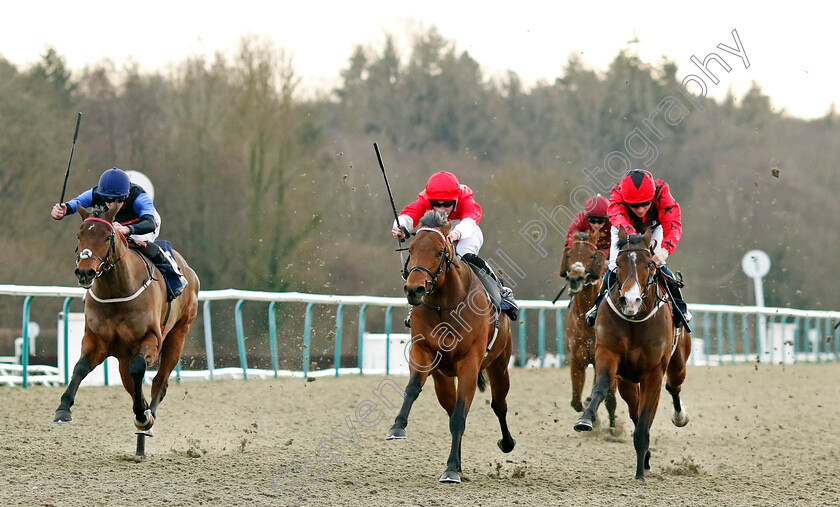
(121, 280)
(455, 286)
(584, 299)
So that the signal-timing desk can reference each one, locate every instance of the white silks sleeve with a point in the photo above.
(466, 228)
(405, 221)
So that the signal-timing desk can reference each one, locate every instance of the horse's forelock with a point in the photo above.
(434, 219)
(631, 239)
(98, 211)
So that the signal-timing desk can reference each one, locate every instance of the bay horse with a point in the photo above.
(127, 315)
(456, 333)
(636, 340)
(583, 265)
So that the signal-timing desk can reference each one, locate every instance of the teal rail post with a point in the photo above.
(730, 325)
(361, 338)
(745, 335)
(541, 337)
(24, 353)
(522, 326)
(720, 340)
(178, 372)
(797, 339)
(561, 342)
(388, 340)
(240, 338)
(208, 337)
(339, 314)
(307, 339)
(272, 336)
(707, 336)
(65, 337)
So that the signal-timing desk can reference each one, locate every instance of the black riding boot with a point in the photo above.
(674, 285)
(506, 292)
(167, 265)
(608, 280)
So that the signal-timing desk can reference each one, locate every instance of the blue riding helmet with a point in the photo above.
(114, 183)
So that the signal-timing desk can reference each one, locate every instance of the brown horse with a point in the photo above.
(127, 315)
(456, 332)
(637, 340)
(583, 266)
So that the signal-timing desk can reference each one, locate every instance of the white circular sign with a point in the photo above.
(141, 179)
(756, 263)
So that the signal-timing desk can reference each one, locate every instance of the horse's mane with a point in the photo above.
(632, 239)
(98, 210)
(433, 218)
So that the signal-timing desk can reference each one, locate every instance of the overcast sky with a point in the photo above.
(792, 52)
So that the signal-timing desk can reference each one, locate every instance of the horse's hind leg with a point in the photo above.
(147, 356)
(93, 354)
(649, 388)
(170, 354)
(499, 387)
(675, 377)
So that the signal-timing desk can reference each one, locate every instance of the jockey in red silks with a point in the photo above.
(445, 194)
(637, 203)
(594, 219)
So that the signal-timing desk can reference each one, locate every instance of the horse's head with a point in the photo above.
(583, 264)
(635, 269)
(96, 251)
(430, 255)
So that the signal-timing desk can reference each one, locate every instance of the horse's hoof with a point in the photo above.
(395, 434)
(640, 478)
(679, 419)
(147, 424)
(577, 405)
(583, 424)
(506, 448)
(450, 476)
(63, 416)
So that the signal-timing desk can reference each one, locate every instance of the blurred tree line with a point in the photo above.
(262, 189)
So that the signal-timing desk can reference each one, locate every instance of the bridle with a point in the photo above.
(650, 281)
(593, 278)
(447, 260)
(104, 263)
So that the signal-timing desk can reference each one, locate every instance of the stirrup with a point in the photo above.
(590, 316)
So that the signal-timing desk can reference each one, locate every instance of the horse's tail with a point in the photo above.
(482, 380)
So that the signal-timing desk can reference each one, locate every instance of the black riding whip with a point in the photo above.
(73, 148)
(393, 206)
(559, 294)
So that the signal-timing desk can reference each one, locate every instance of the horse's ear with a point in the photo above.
(564, 262)
(648, 235)
(111, 213)
(445, 228)
(622, 234)
(83, 212)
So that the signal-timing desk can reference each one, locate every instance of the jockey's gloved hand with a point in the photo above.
(659, 256)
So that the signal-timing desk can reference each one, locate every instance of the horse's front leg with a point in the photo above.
(499, 386)
(467, 384)
(650, 386)
(412, 391)
(93, 354)
(147, 356)
(675, 376)
(606, 366)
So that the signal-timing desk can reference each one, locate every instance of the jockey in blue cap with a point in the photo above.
(137, 218)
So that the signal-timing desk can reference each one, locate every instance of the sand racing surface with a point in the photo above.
(759, 435)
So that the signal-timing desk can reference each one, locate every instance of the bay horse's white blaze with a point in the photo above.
(577, 269)
(633, 296)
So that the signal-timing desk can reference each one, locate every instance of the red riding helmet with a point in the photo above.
(637, 186)
(443, 186)
(596, 206)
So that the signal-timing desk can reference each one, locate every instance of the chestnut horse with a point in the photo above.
(456, 332)
(637, 340)
(127, 315)
(583, 266)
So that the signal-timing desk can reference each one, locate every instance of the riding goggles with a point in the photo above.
(442, 204)
(639, 204)
(597, 220)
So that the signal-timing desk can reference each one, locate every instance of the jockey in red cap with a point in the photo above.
(593, 220)
(445, 194)
(637, 203)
